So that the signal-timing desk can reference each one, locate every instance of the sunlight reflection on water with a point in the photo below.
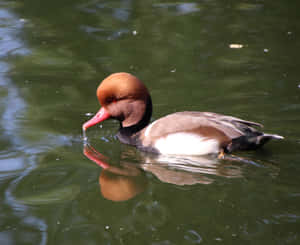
(12, 106)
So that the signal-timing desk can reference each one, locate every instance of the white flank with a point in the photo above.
(147, 131)
(186, 144)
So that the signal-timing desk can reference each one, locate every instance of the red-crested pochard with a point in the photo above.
(125, 98)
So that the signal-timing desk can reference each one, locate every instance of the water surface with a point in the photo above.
(57, 190)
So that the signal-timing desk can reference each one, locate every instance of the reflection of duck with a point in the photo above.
(121, 187)
(189, 170)
(117, 183)
(125, 181)
(125, 98)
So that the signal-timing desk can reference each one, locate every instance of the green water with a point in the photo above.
(53, 54)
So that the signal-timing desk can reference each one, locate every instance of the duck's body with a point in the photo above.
(196, 133)
(126, 99)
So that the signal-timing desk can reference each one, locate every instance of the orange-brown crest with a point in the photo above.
(121, 86)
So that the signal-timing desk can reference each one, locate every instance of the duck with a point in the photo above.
(125, 98)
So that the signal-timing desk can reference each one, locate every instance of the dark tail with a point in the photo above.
(264, 138)
(251, 142)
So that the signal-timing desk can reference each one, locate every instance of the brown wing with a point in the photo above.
(202, 123)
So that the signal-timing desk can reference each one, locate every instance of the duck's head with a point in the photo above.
(123, 97)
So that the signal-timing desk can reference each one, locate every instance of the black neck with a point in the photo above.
(128, 135)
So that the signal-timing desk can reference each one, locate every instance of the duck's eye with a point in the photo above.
(111, 100)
